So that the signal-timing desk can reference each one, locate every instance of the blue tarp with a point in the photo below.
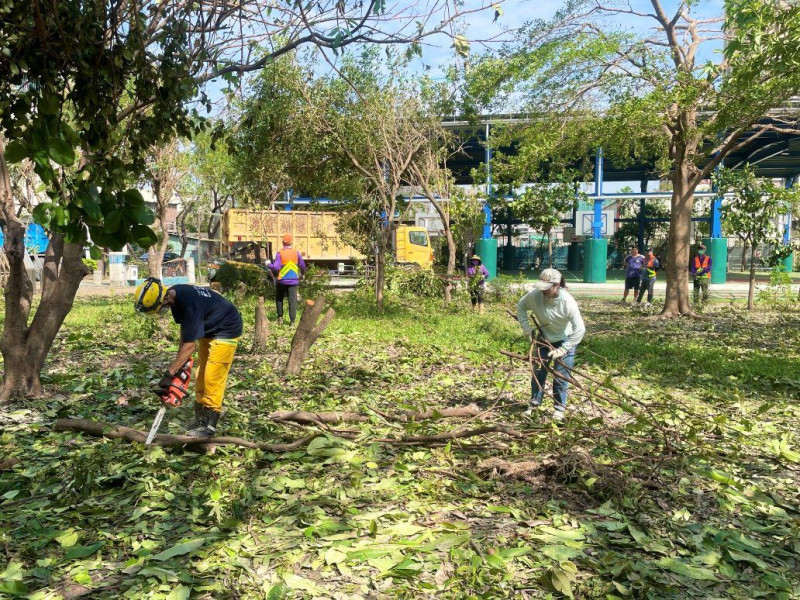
(35, 239)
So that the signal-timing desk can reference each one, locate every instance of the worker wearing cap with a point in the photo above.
(558, 324)
(288, 267)
(477, 275)
(210, 324)
(649, 274)
(700, 267)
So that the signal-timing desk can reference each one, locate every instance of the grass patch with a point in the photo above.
(564, 509)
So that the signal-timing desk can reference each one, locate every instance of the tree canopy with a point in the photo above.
(656, 92)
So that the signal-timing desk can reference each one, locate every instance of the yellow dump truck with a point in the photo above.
(315, 236)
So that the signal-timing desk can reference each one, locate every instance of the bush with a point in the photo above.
(413, 281)
(316, 282)
(779, 292)
(91, 263)
(506, 289)
(227, 276)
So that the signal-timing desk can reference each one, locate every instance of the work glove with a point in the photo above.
(558, 353)
(166, 380)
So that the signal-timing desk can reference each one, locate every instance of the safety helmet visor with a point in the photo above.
(149, 296)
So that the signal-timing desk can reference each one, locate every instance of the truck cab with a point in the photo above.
(413, 246)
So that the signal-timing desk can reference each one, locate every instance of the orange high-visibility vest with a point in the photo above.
(289, 262)
(701, 265)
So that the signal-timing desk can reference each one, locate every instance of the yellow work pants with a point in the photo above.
(213, 364)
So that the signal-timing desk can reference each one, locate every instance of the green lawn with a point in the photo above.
(685, 482)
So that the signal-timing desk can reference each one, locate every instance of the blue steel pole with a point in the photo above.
(716, 217)
(787, 229)
(597, 222)
(487, 209)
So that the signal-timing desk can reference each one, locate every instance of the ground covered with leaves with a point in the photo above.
(676, 475)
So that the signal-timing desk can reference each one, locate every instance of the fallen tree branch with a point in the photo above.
(453, 435)
(301, 416)
(317, 418)
(100, 429)
(470, 410)
(6, 465)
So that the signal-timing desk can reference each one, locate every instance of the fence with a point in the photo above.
(535, 258)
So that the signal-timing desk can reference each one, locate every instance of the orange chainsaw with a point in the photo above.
(172, 395)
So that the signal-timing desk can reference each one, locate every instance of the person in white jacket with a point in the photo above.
(560, 323)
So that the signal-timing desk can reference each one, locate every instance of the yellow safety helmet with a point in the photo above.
(149, 295)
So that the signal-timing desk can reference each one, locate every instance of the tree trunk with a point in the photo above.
(744, 255)
(549, 250)
(308, 330)
(155, 254)
(380, 278)
(181, 223)
(24, 347)
(451, 264)
(751, 288)
(448, 234)
(262, 326)
(676, 302)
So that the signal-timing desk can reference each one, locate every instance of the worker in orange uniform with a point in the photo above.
(288, 267)
(701, 269)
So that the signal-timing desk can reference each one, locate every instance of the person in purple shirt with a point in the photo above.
(477, 275)
(288, 267)
(633, 264)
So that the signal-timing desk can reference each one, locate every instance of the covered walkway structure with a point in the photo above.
(773, 155)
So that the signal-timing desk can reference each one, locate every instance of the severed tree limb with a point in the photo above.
(453, 435)
(470, 410)
(301, 416)
(100, 429)
(316, 418)
(8, 464)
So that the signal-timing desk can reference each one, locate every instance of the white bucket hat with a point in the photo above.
(547, 279)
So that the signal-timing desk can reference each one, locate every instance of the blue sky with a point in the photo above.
(486, 33)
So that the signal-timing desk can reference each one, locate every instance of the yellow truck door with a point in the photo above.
(414, 246)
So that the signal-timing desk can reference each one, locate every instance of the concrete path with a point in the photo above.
(576, 288)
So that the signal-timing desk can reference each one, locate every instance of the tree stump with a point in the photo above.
(308, 330)
(262, 326)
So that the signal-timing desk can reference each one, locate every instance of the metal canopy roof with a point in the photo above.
(773, 154)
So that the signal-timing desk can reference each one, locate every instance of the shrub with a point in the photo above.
(413, 281)
(227, 276)
(316, 283)
(779, 291)
(506, 289)
(91, 263)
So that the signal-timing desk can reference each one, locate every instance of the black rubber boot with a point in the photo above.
(208, 428)
(198, 421)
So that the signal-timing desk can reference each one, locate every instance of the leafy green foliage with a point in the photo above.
(228, 276)
(753, 211)
(413, 282)
(73, 85)
(348, 519)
